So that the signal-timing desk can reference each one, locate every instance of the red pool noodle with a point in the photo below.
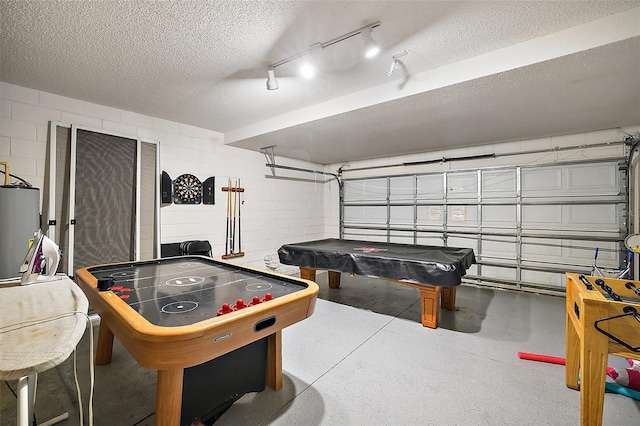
(541, 358)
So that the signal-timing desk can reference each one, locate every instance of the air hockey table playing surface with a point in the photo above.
(166, 314)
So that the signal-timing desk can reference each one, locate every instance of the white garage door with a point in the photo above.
(527, 225)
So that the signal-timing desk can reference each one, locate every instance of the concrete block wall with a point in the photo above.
(275, 211)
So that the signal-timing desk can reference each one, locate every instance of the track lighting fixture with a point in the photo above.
(272, 83)
(307, 70)
(371, 48)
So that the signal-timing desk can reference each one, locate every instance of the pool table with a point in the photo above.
(434, 270)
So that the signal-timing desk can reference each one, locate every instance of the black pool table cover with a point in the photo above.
(441, 266)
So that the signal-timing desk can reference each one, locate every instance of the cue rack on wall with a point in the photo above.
(233, 233)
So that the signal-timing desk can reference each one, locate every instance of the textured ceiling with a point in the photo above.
(476, 72)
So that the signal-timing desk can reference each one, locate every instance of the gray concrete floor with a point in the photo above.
(363, 358)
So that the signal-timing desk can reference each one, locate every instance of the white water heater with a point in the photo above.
(19, 220)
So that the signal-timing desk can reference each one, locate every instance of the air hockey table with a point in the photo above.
(435, 271)
(176, 315)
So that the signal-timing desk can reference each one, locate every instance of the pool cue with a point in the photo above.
(235, 202)
(226, 243)
(239, 222)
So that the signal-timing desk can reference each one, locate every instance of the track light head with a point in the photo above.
(371, 48)
(272, 83)
(307, 70)
(309, 65)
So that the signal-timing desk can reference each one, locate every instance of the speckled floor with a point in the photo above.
(363, 358)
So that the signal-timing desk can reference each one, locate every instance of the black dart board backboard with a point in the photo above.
(187, 189)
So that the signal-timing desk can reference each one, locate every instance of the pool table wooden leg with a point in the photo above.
(430, 303)
(448, 298)
(308, 274)
(169, 397)
(274, 361)
(334, 279)
(104, 348)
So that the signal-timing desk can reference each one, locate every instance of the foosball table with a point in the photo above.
(603, 317)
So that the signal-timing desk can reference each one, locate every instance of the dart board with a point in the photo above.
(187, 189)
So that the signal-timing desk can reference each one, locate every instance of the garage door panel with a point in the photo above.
(542, 278)
(499, 272)
(367, 215)
(430, 215)
(462, 185)
(541, 252)
(499, 249)
(402, 189)
(401, 237)
(432, 240)
(588, 179)
(541, 182)
(430, 187)
(401, 215)
(535, 217)
(594, 216)
(462, 215)
(499, 216)
(365, 190)
(499, 184)
(461, 242)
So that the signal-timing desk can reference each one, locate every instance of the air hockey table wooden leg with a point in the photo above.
(169, 397)
(104, 348)
(274, 361)
(430, 304)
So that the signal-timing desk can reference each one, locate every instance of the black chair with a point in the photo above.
(201, 247)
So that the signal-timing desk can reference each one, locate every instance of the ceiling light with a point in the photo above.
(307, 69)
(272, 83)
(371, 48)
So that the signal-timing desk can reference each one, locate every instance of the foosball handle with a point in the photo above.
(586, 282)
(628, 310)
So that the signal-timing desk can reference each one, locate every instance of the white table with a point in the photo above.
(40, 326)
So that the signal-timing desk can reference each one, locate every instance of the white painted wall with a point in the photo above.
(274, 212)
